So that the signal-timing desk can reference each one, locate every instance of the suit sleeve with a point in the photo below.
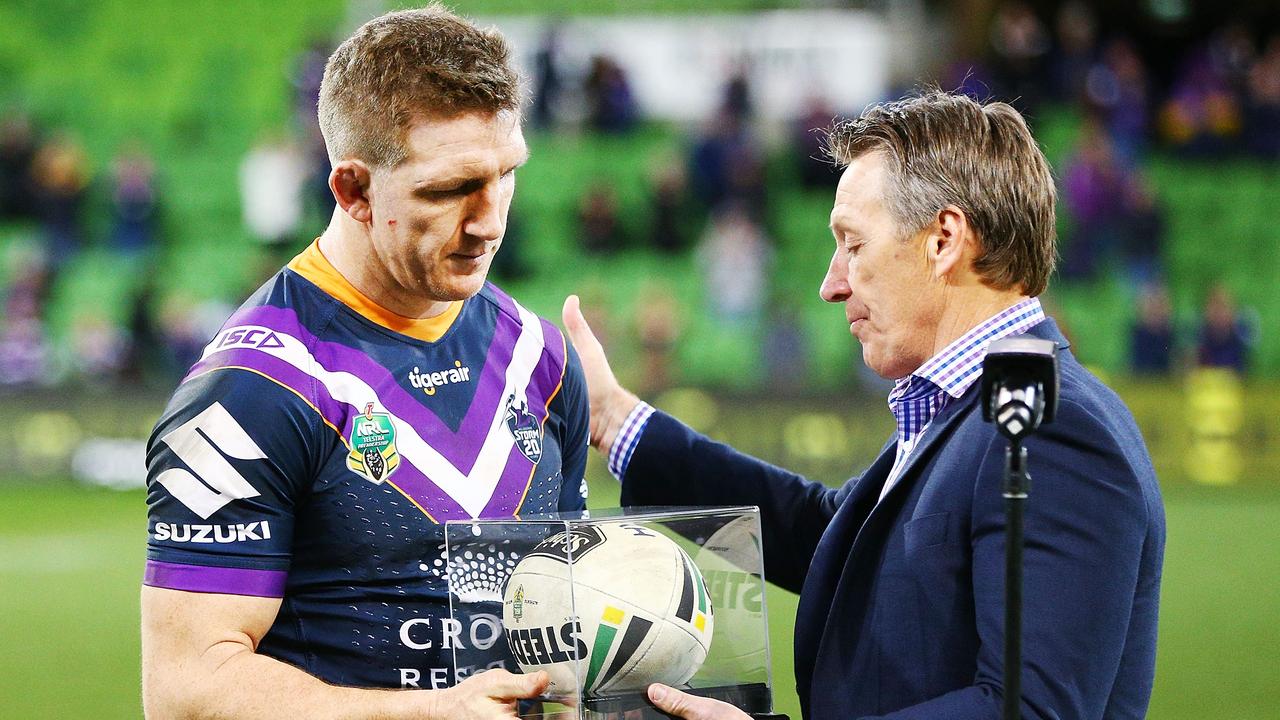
(673, 465)
(574, 443)
(1086, 523)
(226, 465)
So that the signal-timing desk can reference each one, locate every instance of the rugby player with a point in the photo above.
(373, 389)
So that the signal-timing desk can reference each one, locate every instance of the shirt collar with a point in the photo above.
(957, 366)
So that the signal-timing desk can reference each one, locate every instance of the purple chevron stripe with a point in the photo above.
(511, 487)
(461, 448)
(544, 383)
(517, 473)
(201, 578)
(555, 347)
(431, 497)
(335, 412)
(503, 300)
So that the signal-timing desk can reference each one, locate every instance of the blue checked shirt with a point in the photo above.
(917, 398)
(914, 400)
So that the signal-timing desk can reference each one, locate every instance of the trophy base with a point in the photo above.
(751, 698)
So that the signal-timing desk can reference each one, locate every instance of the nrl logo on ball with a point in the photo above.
(570, 545)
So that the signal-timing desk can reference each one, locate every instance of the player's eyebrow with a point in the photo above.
(461, 177)
(524, 158)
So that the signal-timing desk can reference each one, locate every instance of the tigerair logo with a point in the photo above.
(429, 381)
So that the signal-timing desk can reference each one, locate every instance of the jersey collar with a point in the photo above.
(315, 267)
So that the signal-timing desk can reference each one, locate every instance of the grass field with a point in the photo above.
(71, 559)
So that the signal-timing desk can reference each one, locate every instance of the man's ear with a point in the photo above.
(951, 243)
(349, 182)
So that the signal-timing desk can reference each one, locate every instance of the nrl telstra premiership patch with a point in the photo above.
(373, 446)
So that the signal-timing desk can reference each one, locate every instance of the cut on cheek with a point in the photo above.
(391, 223)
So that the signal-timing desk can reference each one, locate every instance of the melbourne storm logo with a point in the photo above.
(525, 428)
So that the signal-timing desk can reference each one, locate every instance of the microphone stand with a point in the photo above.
(1016, 484)
(1019, 392)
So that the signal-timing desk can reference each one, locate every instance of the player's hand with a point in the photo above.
(488, 695)
(692, 707)
(610, 402)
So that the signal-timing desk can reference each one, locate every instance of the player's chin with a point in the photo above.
(875, 360)
(460, 286)
(886, 364)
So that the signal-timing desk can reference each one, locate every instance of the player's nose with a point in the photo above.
(835, 284)
(485, 219)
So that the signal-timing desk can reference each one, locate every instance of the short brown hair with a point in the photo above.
(405, 66)
(947, 149)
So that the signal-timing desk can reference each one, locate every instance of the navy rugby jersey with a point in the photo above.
(313, 454)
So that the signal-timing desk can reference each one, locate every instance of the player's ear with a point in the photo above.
(349, 182)
(949, 240)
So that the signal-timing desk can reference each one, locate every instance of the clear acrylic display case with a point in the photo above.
(724, 545)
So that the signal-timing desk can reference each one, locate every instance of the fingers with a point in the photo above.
(503, 685)
(692, 707)
(576, 325)
(535, 683)
(609, 402)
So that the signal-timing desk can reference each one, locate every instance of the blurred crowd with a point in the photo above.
(713, 205)
(56, 207)
(1218, 98)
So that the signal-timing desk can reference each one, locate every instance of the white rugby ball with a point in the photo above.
(636, 611)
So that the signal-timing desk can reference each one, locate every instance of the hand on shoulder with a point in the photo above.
(610, 402)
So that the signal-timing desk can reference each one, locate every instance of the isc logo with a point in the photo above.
(252, 336)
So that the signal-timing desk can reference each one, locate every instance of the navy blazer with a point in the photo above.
(901, 610)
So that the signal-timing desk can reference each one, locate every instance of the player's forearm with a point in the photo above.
(234, 682)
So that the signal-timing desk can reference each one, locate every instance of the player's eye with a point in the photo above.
(450, 192)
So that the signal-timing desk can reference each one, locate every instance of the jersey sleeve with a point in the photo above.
(226, 465)
(577, 418)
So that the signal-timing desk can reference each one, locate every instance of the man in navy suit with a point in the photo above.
(944, 237)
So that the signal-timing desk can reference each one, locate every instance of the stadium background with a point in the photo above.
(107, 292)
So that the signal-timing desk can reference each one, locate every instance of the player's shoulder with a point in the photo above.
(237, 396)
(286, 302)
(274, 334)
(259, 365)
(509, 310)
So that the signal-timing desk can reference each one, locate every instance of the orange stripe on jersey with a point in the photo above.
(315, 267)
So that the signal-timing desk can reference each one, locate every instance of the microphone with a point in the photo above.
(1020, 385)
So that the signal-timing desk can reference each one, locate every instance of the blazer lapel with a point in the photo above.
(938, 429)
